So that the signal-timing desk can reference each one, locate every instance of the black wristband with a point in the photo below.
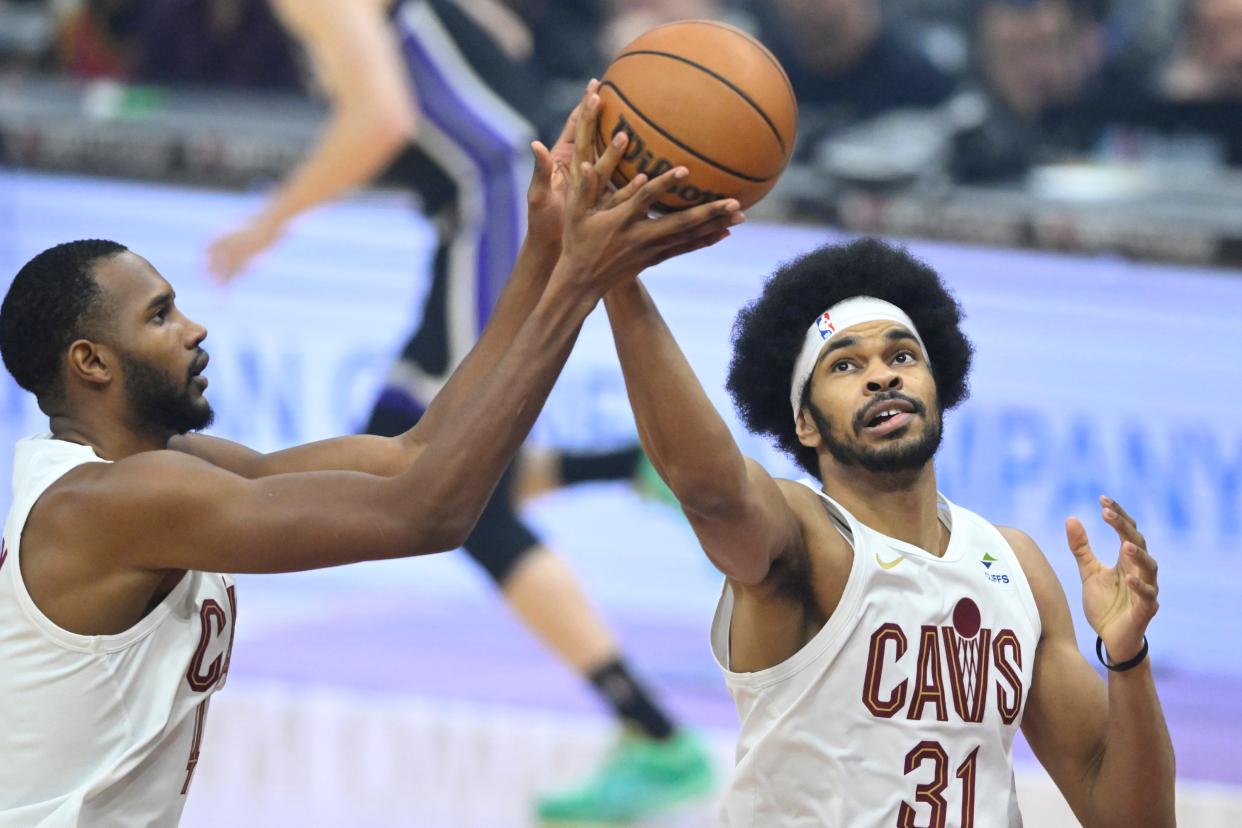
(1123, 666)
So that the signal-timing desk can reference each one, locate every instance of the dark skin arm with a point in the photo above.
(736, 508)
(104, 540)
(759, 531)
(1104, 743)
(388, 456)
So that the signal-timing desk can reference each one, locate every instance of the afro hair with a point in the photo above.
(768, 333)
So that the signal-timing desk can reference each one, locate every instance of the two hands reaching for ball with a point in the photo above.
(607, 237)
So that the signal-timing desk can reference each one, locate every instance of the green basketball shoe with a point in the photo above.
(639, 777)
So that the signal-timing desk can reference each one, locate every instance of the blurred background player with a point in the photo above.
(455, 81)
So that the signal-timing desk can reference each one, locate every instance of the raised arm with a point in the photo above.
(207, 518)
(1105, 744)
(373, 115)
(539, 253)
(736, 508)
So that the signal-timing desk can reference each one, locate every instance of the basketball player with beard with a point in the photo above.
(116, 620)
(883, 644)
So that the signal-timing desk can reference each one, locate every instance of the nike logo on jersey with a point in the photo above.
(888, 564)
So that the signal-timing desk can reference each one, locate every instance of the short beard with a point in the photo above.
(889, 459)
(159, 405)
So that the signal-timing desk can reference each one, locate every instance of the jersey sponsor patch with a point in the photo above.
(994, 569)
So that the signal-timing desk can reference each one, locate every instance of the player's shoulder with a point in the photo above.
(1021, 542)
(1025, 549)
(798, 494)
(814, 516)
(1035, 565)
(141, 478)
(808, 507)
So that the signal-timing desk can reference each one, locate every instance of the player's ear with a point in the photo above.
(806, 429)
(91, 362)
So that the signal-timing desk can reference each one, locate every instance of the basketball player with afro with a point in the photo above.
(883, 644)
(116, 620)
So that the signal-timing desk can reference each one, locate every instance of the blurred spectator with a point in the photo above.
(215, 43)
(565, 34)
(1209, 63)
(846, 63)
(630, 18)
(98, 38)
(1031, 57)
(1037, 54)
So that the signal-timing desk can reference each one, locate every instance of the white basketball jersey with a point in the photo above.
(901, 711)
(101, 730)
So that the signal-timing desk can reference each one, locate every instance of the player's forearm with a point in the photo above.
(359, 141)
(1135, 777)
(688, 442)
(517, 301)
(455, 474)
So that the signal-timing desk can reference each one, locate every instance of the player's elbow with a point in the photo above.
(392, 126)
(709, 498)
(438, 529)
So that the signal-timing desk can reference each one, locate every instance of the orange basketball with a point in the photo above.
(705, 96)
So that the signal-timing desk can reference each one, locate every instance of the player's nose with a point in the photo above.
(197, 332)
(887, 380)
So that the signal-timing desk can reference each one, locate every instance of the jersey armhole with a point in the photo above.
(14, 528)
(834, 629)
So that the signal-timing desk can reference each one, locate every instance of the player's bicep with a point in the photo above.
(367, 453)
(746, 538)
(205, 518)
(225, 454)
(1065, 715)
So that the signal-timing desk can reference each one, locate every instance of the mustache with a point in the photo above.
(860, 418)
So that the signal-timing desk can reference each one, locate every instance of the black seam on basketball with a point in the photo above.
(690, 150)
(741, 94)
(752, 40)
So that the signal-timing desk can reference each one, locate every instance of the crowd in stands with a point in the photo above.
(1007, 84)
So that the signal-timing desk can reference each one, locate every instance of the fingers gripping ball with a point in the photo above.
(705, 96)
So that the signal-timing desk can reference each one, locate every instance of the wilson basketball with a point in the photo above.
(705, 96)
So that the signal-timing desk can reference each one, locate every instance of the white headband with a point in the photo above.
(844, 314)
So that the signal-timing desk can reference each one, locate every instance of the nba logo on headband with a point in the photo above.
(825, 326)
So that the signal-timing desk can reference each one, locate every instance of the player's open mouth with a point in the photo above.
(888, 416)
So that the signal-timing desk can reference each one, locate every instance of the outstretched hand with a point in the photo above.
(608, 237)
(1119, 601)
